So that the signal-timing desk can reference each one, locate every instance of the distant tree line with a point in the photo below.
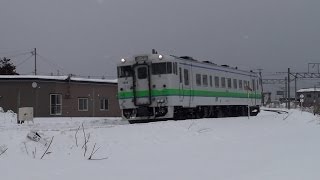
(6, 67)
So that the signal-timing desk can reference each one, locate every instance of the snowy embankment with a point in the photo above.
(268, 146)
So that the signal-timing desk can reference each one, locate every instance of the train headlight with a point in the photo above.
(160, 56)
(123, 60)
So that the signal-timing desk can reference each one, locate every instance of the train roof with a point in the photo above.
(224, 66)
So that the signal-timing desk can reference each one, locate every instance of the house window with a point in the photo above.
(104, 104)
(223, 82)
(216, 81)
(198, 79)
(229, 83)
(55, 104)
(235, 84)
(308, 95)
(82, 104)
(205, 80)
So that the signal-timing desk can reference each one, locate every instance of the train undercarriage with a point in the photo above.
(150, 114)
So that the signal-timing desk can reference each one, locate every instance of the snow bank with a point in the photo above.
(8, 117)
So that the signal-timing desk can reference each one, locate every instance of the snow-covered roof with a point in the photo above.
(308, 90)
(61, 78)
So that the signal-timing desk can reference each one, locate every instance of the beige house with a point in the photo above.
(62, 96)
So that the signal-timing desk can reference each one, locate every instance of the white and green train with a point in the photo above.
(152, 87)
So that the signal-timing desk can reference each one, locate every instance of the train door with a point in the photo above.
(141, 85)
(187, 85)
(180, 85)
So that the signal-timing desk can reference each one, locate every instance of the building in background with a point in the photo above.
(310, 96)
(62, 96)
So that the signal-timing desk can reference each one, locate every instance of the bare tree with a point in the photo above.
(47, 148)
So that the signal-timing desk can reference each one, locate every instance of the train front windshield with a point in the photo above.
(124, 71)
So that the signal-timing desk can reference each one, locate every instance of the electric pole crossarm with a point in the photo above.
(302, 74)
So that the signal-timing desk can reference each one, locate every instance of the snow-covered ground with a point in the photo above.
(268, 146)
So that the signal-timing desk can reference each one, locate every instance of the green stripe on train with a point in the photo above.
(177, 92)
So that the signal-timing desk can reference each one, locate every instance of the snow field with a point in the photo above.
(268, 146)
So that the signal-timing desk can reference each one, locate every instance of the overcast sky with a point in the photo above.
(88, 37)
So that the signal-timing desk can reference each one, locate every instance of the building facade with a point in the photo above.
(310, 96)
(61, 96)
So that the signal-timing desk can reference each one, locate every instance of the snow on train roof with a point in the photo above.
(61, 78)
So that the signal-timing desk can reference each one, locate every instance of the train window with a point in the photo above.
(216, 81)
(240, 84)
(186, 76)
(198, 79)
(235, 83)
(180, 75)
(159, 68)
(223, 82)
(245, 85)
(124, 71)
(210, 81)
(162, 68)
(205, 80)
(253, 85)
(142, 73)
(229, 82)
(175, 68)
(169, 67)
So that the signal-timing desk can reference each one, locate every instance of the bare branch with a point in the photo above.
(34, 152)
(75, 136)
(93, 152)
(191, 125)
(3, 151)
(86, 140)
(99, 158)
(47, 148)
(25, 146)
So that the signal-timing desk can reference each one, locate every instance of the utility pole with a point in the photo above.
(288, 88)
(295, 92)
(260, 74)
(285, 91)
(35, 61)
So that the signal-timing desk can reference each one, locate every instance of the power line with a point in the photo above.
(11, 54)
(24, 61)
(51, 63)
